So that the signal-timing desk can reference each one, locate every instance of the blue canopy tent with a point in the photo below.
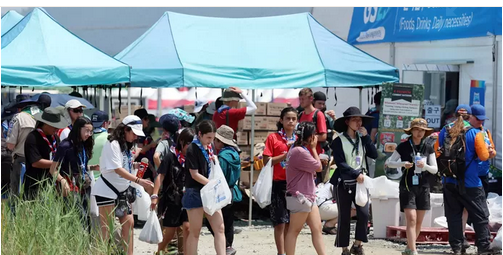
(10, 19)
(291, 51)
(38, 51)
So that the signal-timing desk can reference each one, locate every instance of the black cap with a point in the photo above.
(75, 94)
(98, 118)
(44, 100)
(319, 96)
(142, 113)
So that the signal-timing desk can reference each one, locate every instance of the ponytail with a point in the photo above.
(456, 130)
(304, 131)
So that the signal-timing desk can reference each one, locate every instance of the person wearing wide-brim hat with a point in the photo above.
(350, 151)
(228, 113)
(414, 185)
(230, 163)
(40, 147)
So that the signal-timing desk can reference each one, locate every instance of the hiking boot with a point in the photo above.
(345, 252)
(357, 250)
(230, 251)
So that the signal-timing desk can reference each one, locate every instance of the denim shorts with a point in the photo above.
(192, 199)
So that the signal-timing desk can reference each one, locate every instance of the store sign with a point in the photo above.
(409, 24)
(432, 115)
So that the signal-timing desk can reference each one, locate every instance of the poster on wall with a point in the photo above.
(477, 92)
(400, 104)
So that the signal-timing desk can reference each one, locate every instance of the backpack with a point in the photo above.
(325, 145)
(452, 161)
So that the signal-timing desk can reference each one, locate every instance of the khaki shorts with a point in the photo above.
(329, 211)
(294, 206)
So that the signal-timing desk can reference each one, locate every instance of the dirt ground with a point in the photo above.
(260, 240)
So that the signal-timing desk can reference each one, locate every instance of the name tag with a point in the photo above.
(358, 160)
(415, 180)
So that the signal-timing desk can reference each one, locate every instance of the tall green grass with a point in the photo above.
(50, 225)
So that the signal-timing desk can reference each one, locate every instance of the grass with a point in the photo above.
(49, 224)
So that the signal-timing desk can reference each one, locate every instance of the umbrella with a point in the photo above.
(61, 99)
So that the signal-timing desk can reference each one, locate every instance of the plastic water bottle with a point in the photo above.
(416, 160)
(303, 199)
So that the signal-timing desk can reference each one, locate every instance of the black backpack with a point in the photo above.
(452, 161)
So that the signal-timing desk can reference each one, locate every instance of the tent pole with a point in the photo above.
(159, 102)
(360, 97)
(102, 100)
(495, 90)
(252, 156)
(129, 100)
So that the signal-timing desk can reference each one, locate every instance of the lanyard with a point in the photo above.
(53, 146)
(356, 146)
(223, 108)
(83, 161)
(414, 147)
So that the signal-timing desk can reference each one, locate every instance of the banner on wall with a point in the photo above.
(477, 92)
(400, 104)
(412, 24)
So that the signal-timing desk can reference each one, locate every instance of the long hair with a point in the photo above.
(119, 135)
(304, 130)
(184, 138)
(76, 138)
(455, 130)
(283, 113)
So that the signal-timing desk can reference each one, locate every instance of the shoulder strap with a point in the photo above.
(300, 115)
(315, 118)
(110, 186)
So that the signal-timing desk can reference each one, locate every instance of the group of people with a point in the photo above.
(66, 147)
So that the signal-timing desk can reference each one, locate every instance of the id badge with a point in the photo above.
(283, 164)
(358, 160)
(415, 180)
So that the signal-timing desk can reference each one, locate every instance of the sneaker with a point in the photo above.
(357, 250)
(465, 246)
(230, 251)
(409, 252)
(345, 252)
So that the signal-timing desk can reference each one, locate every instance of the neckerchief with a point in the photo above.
(282, 133)
(208, 154)
(70, 127)
(180, 157)
(53, 146)
(223, 108)
(83, 162)
(356, 146)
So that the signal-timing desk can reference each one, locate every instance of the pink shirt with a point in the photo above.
(300, 170)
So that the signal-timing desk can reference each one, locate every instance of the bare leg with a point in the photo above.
(297, 221)
(107, 217)
(465, 219)
(127, 223)
(217, 224)
(196, 222)
(279, 237)
(419, 221)
(314, 222)
(330, 223)
(186, 231)
(168, 234)
(410, 216)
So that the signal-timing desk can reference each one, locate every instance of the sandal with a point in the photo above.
(330, 230)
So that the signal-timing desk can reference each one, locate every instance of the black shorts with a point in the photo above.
(172, 215)
(104, 201)
(417, 197)
(279, 213)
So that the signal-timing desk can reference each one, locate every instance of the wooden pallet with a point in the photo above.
(428, 235)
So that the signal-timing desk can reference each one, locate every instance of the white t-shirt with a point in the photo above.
(324, 192)
(112, 158)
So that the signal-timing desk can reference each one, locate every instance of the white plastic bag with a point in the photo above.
(262, 189)
(216, 194)
(496, 244)
(141, 205)
(94, 205)
(151, 232)
(361, 198)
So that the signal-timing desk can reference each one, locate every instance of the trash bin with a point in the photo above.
(385, 212)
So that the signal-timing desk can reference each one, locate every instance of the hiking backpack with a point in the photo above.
(452, 161)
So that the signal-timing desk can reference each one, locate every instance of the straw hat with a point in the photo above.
(419, 123)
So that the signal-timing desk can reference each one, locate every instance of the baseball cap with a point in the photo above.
(479, 112)
(98, 118)
(170, 123)
(211, 108)
(464, 109)
(135, 123)
(319, 96)
(72, 104)
(142, 113)
(200, 104)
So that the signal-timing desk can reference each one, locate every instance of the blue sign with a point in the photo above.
(411, 24)
(477, 92)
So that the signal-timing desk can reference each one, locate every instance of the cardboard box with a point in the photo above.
(242, 137)
(123, 113)
(260, 123)
(271, 123)
(274, 109)
(259, 137)
(261, 108)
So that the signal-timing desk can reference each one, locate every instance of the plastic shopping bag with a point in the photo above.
(141, 205)
(151, 232)
(262, 189)
(496, 244)
(94, 205)
(361, 198)
(216, 193)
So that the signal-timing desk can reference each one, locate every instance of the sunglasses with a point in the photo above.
(78, 110)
